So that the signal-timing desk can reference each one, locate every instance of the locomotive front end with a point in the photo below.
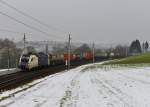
(23, 63)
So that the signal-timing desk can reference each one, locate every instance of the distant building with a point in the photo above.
(112, 54)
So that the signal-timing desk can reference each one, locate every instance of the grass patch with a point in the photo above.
(139, 59)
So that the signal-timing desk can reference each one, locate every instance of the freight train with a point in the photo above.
(31, 61)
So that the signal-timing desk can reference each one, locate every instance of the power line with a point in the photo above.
(10, 31)
(33, 18)
(15, 32)
(29, 16)
(29, 26)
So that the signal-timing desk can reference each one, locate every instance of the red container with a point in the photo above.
(88, 55)
(66, 57)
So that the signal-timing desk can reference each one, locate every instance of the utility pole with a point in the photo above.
(93, 52)
(16, 58)
(8, 61)
(24, 40)
(69, 47)
(46, 49)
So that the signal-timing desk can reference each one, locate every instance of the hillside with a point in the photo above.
(144, 58)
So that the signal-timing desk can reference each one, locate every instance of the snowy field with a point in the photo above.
(86, 86)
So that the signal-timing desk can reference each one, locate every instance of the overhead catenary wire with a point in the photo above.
(31, 17)
(36, 20)
(22, 33)
(27, 25)
(10, 31)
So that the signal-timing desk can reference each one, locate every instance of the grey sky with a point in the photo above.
(102, 21)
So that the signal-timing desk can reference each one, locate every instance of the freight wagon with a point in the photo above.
(56, 59)
(39, 60)
(43, 60)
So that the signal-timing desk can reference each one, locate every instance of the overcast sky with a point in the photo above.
(102, 21)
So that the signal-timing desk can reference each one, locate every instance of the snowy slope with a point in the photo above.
(88, 86)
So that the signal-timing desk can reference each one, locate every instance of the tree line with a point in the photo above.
(9, 54)
(137, 48)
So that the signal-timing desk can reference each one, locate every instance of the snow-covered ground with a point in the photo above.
(2, 70)
(86, 86)
(8, 71)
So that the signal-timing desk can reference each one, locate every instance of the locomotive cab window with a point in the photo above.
(32, 59)
(24, 60)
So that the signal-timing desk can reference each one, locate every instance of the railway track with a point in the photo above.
(14, 80)
(21, 78)
(9, 75)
